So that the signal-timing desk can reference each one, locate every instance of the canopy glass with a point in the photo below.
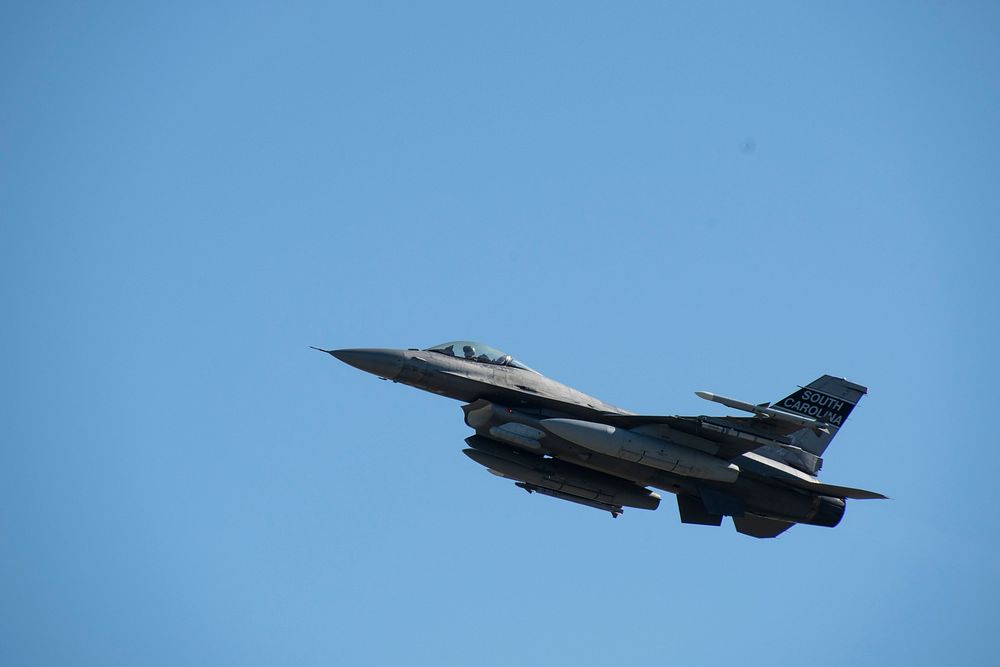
(473, 351)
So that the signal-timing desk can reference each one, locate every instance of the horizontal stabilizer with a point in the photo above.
(756, 526)
(834, 490)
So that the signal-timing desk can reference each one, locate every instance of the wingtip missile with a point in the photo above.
(765, 411)
(730, 402)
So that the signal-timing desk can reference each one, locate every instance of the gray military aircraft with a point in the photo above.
(553, 440)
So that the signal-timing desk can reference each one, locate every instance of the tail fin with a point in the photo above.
(827, 399)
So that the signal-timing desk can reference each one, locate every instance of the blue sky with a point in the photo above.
(639, 201)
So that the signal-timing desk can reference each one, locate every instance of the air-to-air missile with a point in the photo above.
(764, 410)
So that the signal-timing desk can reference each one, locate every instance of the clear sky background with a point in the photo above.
(640, 201)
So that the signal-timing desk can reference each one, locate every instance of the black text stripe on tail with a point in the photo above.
(828, 399)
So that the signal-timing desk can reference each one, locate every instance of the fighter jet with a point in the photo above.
(553, 440)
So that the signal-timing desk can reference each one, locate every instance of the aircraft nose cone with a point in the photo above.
(384, 363)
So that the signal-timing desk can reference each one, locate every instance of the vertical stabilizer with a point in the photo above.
(827, 399)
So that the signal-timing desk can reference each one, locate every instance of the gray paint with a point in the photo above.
(769, 460)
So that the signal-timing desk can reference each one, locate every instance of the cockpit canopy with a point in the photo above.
(468, 349)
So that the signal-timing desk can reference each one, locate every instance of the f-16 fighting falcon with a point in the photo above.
(553, 440)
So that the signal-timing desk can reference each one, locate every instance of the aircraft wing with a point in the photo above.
(732, 436)
(770, 428)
